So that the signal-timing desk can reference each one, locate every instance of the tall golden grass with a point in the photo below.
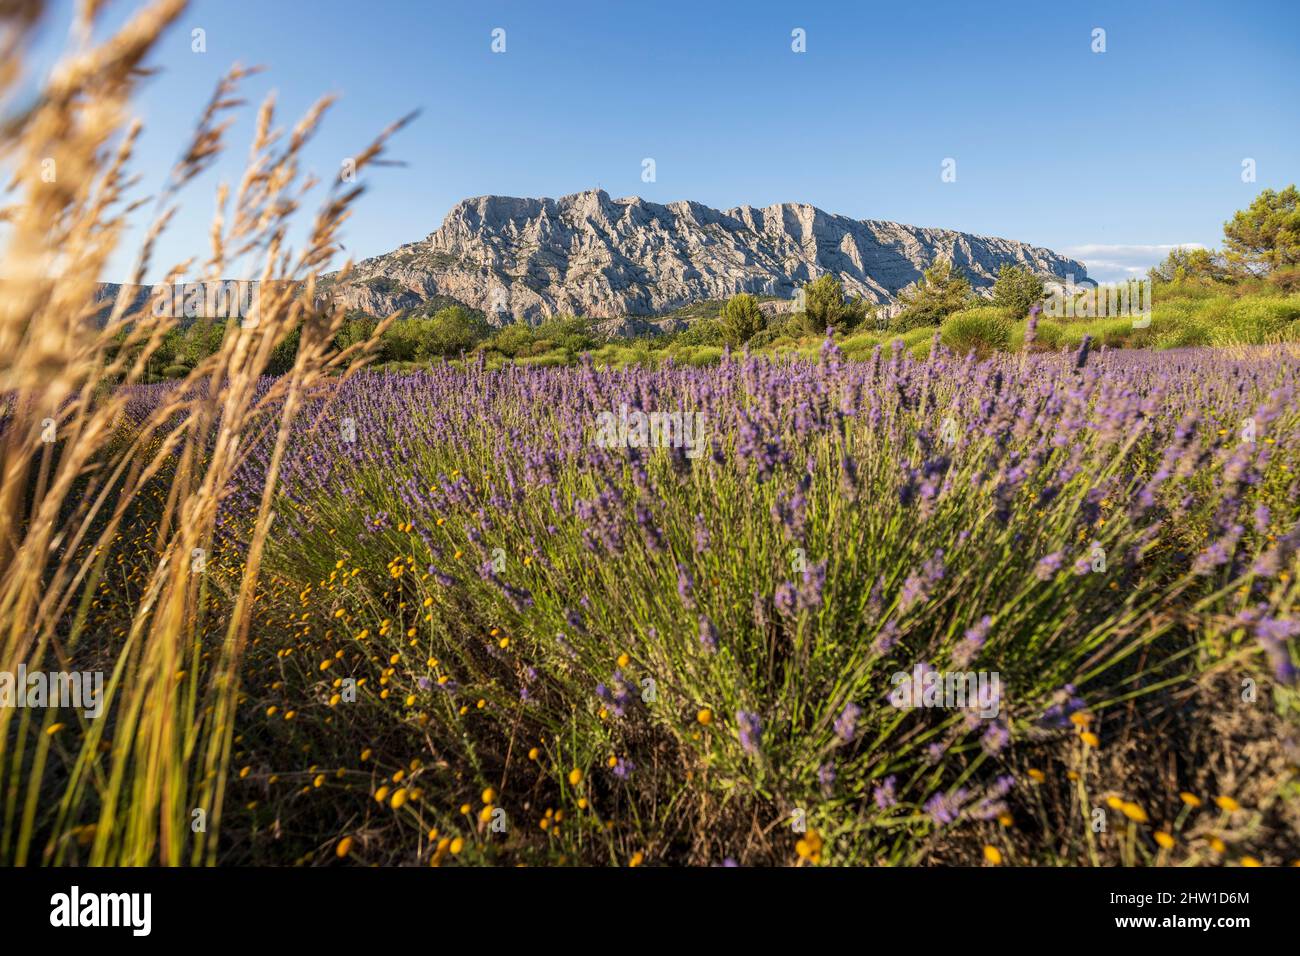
(124, 788)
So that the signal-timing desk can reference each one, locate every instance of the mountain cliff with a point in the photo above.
(589, 254)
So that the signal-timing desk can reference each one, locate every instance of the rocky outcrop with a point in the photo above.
(588, 254)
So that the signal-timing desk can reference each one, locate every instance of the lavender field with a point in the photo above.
(489, 634)
(701, 527)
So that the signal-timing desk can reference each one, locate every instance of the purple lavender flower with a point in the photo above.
(945, 808)
(826, 778)
(996, 737)
(850, 482)
(809, 597)
(1031, 327)
(970, 645)
(1262, 517)
(1047, 566)
(886, 639)
(700, 540)
(686, 587)
(751, 731)
(917, 586)
(708, 635)
(786, 599)
(1065, 702)
(1081, 356)
(846, 724)
(618, 698)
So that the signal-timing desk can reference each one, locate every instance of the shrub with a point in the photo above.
(983, 330)
(764, 337)
(1017, 289)
(740, 319)
(1256, 321)
(553, 359)
(1182, 334)
(1048, 336)
(284, 353)
(942, 290)
(859, 346)
(701, 332)
(824, 306)
(1286, 280)
(698, 356)
(611, 356)
(1187, 265)
(450, 331)
(511, 341)
(357, 327)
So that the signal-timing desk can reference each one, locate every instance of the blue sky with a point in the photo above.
(1106, 156)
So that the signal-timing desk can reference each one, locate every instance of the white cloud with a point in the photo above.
(1112, 263)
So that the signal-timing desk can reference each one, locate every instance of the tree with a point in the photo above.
(1183, 264)
(285, 353)
(825, 306)
(573, 334)
(402, 341)
(1017, 289)
(942, 290)
(740, 319)
(1266, 236)
(357, 327)
(451, 331)
(702, 332)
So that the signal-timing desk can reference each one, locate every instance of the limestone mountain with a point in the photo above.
(591, 255)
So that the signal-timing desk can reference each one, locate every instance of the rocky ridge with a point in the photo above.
(521, 260)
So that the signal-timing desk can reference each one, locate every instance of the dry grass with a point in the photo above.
(162, 747)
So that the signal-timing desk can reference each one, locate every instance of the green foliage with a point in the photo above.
(982, 330)
(1251, 321)
(704, 309)
(453, 330)
(566, 335)
(1265, 236)
(740, 319)
(1017, 289)
(1185, 265)
(766, 336)
(357, 327)
(402, 341)
(554, 359)
(513, 341)
(1048, 337)
(942, 290)
(702, 332)
(284, 354)
(570, 334)
(445, 334)
(696, 356)
(1286, 280)
(382, 284)
(824, 306)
